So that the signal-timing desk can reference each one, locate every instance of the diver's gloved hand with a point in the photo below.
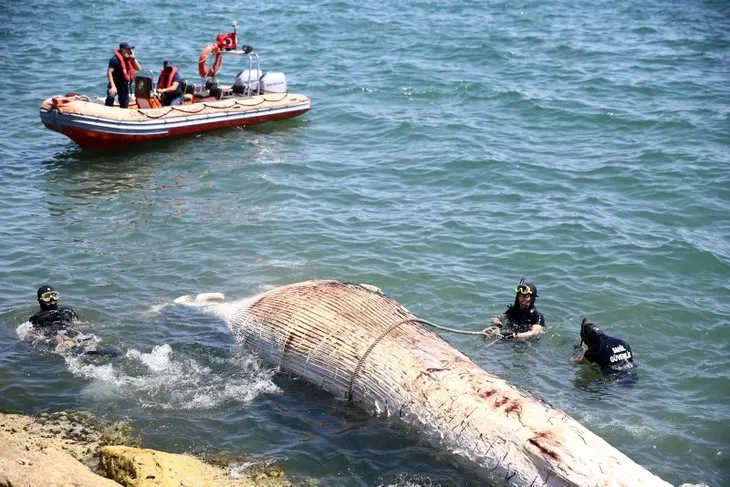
(491, 331)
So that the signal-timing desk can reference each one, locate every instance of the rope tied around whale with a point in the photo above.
(392, 327)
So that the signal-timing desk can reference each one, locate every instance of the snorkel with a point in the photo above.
(525, 288)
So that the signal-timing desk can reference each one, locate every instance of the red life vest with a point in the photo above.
(127, 66)
(165, 80)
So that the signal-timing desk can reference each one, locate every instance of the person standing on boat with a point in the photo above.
(612, 355)
(522, 320)
(169, 85)
(120, 73)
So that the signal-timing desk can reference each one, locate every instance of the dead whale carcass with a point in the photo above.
(358, 344)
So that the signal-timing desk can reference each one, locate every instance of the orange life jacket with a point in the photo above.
(127, 66)
(165, 80)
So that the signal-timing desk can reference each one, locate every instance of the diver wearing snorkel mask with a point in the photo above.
(56, 325)
(611, 354)
(522, 320)
(50, 314)
(52, 322)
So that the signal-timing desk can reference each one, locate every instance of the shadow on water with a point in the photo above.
(80, 176)
(182, 146)
(591, 379)
(75, 155)
(78, 173)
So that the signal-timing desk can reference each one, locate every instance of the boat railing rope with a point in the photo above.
(158, 113)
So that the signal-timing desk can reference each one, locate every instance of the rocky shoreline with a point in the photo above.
(78, 449)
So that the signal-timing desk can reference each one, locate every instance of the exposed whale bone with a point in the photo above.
(360, 345)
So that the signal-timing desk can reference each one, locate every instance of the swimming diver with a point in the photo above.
(522, 320)
(54, 323)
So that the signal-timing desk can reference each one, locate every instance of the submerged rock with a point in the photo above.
(136, 467)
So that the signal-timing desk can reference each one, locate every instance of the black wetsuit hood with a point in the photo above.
(591, 334)
(533, 295)
(46, 306)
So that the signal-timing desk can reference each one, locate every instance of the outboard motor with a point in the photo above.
(211, 88)
(273, 83)
(211, 83)
(247, 82)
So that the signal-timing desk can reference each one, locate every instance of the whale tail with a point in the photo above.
(201, 300)
(212, 302)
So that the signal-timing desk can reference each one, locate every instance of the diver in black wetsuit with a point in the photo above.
(522, 320)
(57, 323)
(612, 355)
(51, 319)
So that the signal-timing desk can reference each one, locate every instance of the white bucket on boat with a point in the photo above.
(273, 83)
(248, 78)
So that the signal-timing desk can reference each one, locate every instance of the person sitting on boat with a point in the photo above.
(522, 320)
(169, 85)
(56, 325)
(612, 355)
(120, 73)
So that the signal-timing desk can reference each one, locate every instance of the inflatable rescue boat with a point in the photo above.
(254, 97)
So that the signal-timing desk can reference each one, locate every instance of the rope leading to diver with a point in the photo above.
(391, 328)
(454, 330)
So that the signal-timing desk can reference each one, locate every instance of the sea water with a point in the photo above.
(452, 147)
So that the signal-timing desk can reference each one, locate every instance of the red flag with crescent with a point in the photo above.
(226, 42)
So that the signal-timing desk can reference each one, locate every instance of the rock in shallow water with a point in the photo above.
(57, 449)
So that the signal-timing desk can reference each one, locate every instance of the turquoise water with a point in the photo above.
(451, 149)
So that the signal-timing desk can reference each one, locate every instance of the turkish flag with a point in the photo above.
(226, 42)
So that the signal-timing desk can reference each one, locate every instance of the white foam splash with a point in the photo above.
(164, 379)
(80, 368)
(24, 331)
(158, 360)
(240, 470)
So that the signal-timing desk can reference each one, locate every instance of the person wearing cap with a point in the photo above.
(123, 67)
(613, 355)
(169, 85)
(522, 320)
